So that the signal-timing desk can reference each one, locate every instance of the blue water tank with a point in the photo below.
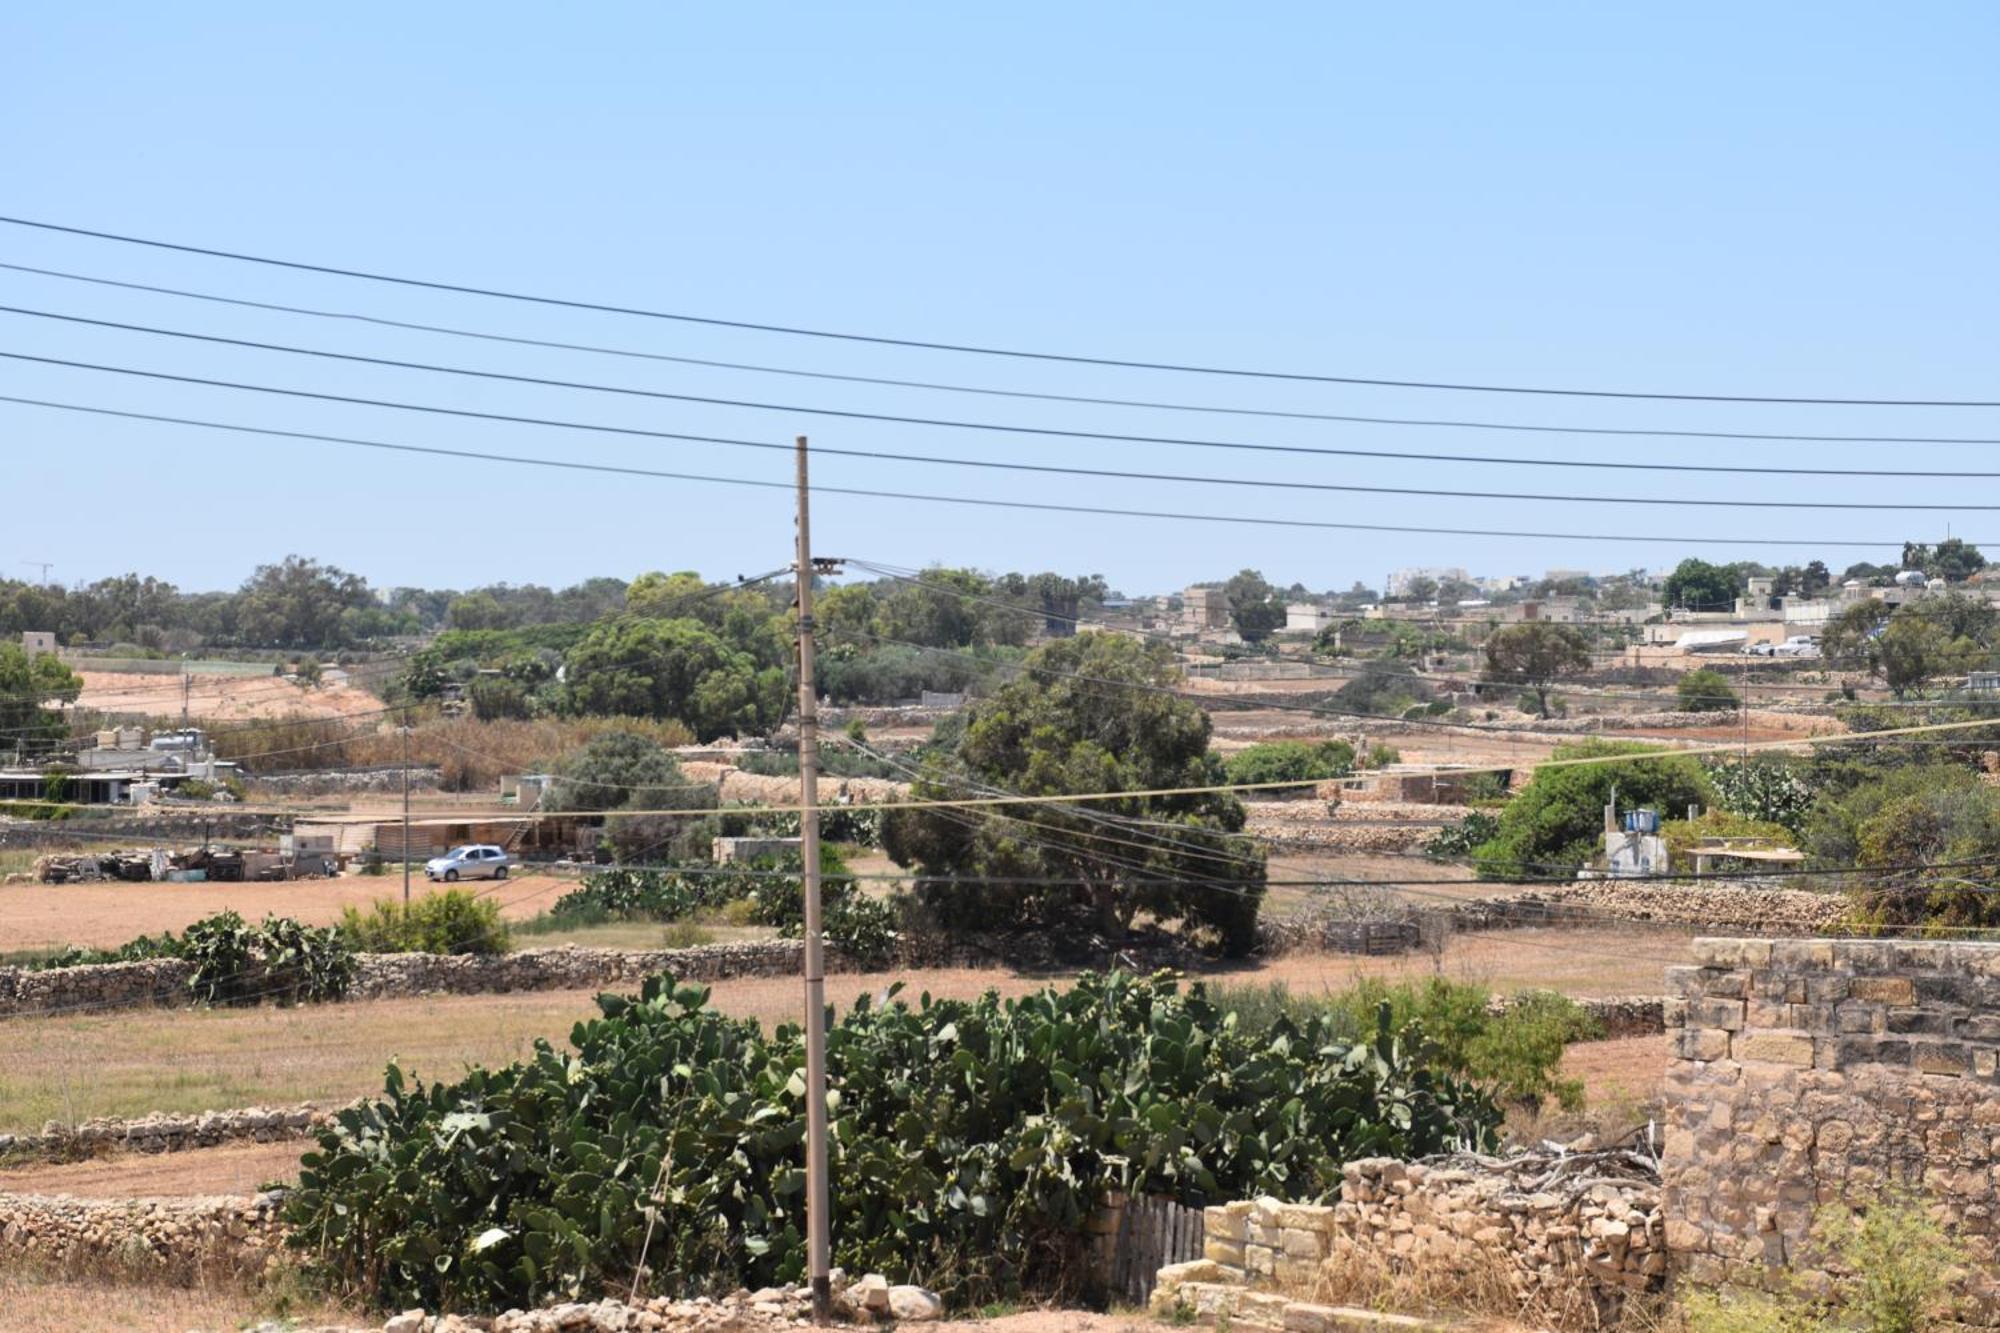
(1642, 821)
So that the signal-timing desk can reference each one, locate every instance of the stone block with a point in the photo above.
(1307, 1216)
(1884, 990)
(1193, 1270)
(1979, 1027)
(1224, 1224)
(1859, 1016)
(1828, 989)
(1710, 1013)
(1300, 1243)
(1260, 1260)
(1305, 1317)
(1701, 1044)
(1726, 985)
(1718, 952)
(1228, 1253)
(1773, 1048)
(1685, 982)
(1918, 1022)
(1939, 1057)
(1802, 953)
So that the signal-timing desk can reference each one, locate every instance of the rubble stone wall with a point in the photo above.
(161, 1132)
(1812, 1073)
(106, 986)
(1600, 1241)
(176, 1236)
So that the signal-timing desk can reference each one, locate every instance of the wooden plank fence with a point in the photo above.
(1152, 1233)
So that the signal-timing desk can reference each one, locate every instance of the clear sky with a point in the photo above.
(1762, 199)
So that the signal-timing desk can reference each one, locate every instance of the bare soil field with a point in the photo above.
(50, 916)
(234, 1168)
(220, 698)
(34, 1302)
(130, 1062)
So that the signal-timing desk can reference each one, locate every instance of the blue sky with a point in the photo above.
(1781, 199)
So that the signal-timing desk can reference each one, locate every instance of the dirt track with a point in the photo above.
(45, 916)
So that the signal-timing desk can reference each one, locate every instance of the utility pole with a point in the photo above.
(406, 811)
(819, 1247)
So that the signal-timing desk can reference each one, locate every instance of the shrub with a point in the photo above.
(1290, 761)
(1461, 839)
(1513, 1053)
(1705, 690)
(454, 921)
(1682, 834)
(971, 1141)
(1554, 824)
(281, 960)
(1770, 789)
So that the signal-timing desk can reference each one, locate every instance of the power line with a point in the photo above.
(1145, 404)
(975, 349)
(945, 423)
(867, 492)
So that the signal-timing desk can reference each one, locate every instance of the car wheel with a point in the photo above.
(501, 873)
(451, 877)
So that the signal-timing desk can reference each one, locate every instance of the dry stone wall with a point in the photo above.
(1813, 1073)
(1586, 1228)
(387, 975)
(176, 1237)
(163, 1133)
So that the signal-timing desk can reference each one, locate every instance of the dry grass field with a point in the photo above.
(130, 1062)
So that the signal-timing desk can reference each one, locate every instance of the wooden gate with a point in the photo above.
(1152, 1233)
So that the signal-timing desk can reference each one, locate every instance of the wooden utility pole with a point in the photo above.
(819, 1246)
(406, 811)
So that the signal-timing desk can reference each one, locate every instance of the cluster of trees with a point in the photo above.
(295, 604)
(959, 608)
(1916, 642)
(28, 685)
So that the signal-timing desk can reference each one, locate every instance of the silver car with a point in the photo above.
(477, 860)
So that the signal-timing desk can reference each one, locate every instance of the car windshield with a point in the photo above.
(460, 853)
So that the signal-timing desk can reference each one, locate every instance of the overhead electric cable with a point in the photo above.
(876, 493)
(794, 409)
(977, 349)
(1151, 405)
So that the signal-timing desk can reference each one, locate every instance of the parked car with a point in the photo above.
(477, 860)
(1799, 645)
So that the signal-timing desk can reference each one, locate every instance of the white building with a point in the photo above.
(1305, 618)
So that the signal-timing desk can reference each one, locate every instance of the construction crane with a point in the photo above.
(44, 565)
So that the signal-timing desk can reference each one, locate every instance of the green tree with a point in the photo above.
(27, 685)
(298, 603)
(1254, 605)
(477, 610)
(1705, 690)
(1092, 713)
(1696, 585)
(1554, 824)
(937, 611)
(1849, 639)
(1954, 560)
(674, 669)
(622, 768)
(1536, 654)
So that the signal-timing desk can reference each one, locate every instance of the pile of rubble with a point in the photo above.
(141, 865)
(869, 1301)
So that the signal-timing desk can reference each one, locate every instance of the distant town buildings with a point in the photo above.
(1402, 580)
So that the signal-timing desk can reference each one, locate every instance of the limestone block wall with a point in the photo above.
(1809, 1073)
